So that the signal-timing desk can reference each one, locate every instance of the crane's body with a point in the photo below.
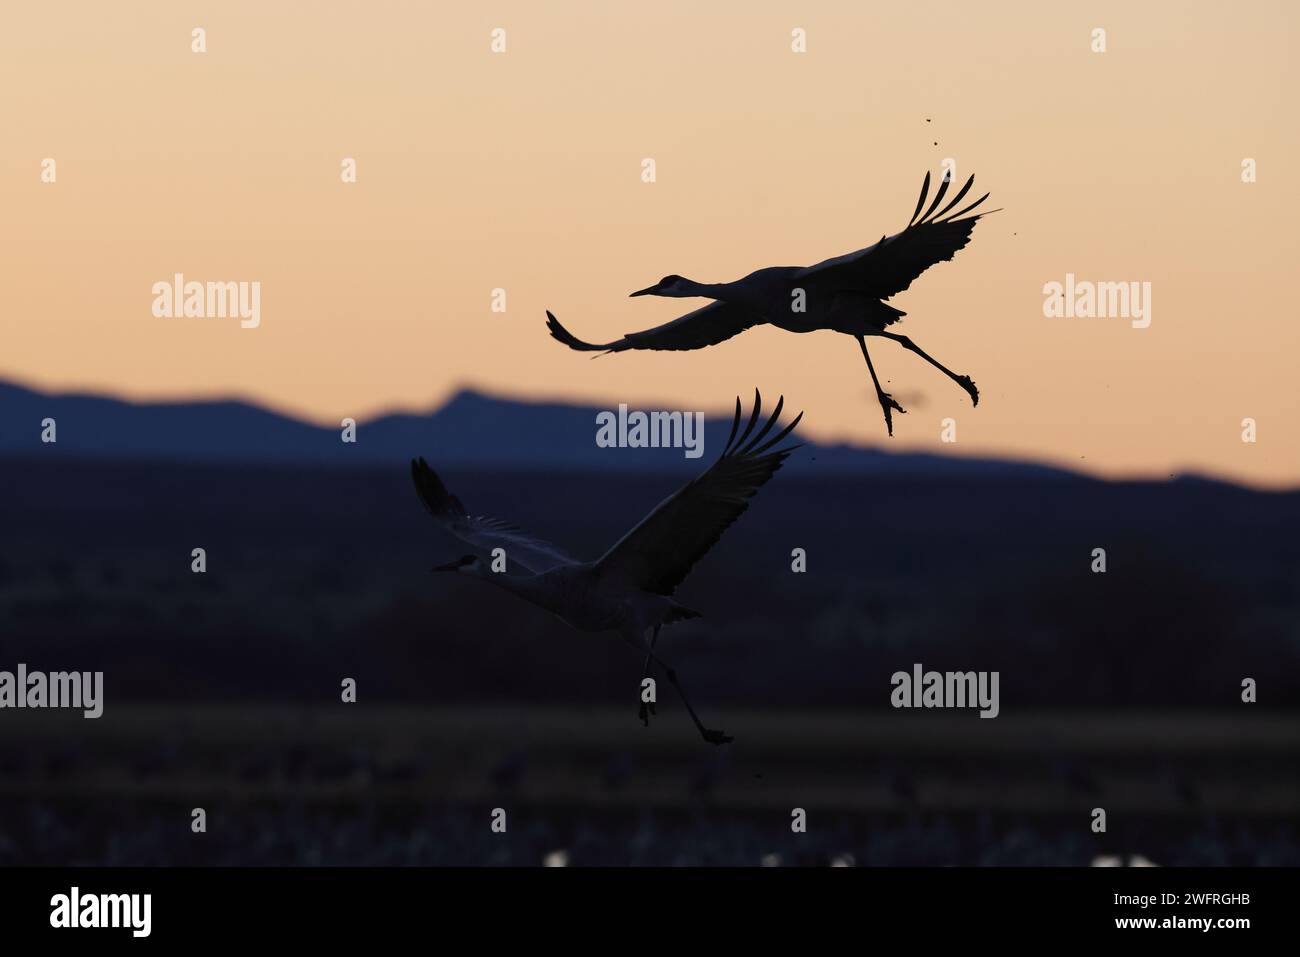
(845, 294)
(820, 308)
(582, 598)
(629, 589)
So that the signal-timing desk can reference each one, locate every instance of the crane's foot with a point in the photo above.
(967, 383)
(644, 714)
(889, 405)
(716, 737)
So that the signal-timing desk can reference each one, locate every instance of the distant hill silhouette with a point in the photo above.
(472, 429)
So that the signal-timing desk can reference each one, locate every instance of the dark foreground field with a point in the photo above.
(1119, 691)
(382, 786)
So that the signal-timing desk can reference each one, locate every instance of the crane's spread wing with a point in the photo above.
(660, 551)
(890, 266)
(481, 533)
(714, 323)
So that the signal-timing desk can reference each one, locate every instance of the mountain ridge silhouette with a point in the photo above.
(471, 428)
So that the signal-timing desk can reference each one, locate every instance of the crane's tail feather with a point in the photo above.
(561, 334)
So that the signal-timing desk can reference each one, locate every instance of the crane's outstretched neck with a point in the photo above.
(725, 291)
(679, 287)
(711, 290)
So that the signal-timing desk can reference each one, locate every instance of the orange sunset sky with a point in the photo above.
(522, 170)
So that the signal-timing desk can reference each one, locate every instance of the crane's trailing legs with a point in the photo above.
(710, 735)
(887, 402)
(965, 381)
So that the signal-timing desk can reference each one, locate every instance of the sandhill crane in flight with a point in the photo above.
(629, 589)
(844, 294)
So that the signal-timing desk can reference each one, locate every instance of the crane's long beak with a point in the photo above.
(647, 291)
(449, 567)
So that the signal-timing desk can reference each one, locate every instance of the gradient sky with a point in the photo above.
(522, 170)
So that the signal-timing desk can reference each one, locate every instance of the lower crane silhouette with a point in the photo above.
(629, 589)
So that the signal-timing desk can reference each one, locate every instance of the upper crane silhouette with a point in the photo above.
(843, 294)
(629, 588)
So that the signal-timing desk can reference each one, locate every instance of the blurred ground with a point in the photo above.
(350, 785)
